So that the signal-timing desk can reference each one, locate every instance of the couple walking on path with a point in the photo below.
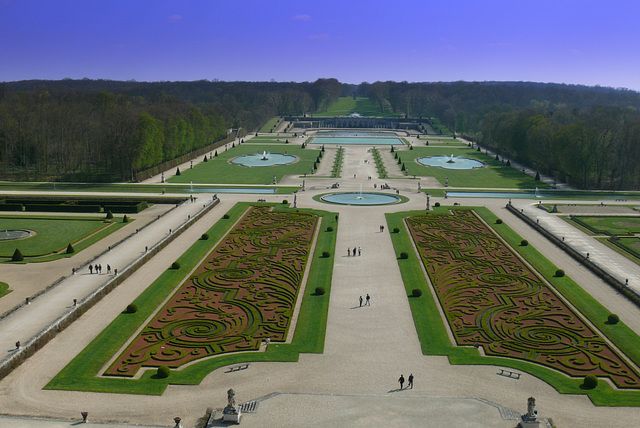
(409, 384)
(368, 301)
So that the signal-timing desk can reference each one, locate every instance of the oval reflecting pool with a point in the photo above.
(357, 198)
(450, 162)
(264, 159)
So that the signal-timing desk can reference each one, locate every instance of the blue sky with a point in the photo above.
(563, 41)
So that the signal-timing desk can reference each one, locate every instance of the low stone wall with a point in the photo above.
(582, 258)
(43, 337)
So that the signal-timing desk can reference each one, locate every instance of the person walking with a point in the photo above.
(401, 380)
(368, 300)
(359, 251)
(410, 383)
(360, 301)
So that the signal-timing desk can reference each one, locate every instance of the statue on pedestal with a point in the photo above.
(530, 419)
(232, 412)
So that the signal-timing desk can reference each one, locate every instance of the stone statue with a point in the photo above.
(231, 398)
(531, 406)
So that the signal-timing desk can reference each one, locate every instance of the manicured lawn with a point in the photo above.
(308, 337)
(269, 125)
(435, 341)
(53, 234)
(614, 225)
(4, 289)
(219, 170)
(361, 105)
(494, 175)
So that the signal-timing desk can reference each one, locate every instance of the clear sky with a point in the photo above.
(590, 42)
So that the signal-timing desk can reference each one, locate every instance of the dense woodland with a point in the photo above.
(102, 130)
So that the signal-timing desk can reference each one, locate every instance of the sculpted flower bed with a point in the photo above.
(243, 293)
(492, 299)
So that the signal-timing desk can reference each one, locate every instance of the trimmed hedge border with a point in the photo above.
(39, 340)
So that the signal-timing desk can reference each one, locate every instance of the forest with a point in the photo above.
(103, 130)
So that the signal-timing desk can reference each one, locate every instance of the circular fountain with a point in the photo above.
(360, 198)
(15, 234)
(264, 159)
(450, 162)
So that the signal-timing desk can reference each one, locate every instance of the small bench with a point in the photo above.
(509, 373)
(237, 367)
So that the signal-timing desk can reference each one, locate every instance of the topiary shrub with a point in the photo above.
(125, 219)
(524, 243)
(320, 291)
(537, 178)
(404, 255)
(70, 249)
(109, 215)
(175, 265)
(330, 229)
(17, 256)
(163, 372)
(396, 230)
(590, 381)
(178, 171)
(559, 273)
(205, 159)
(325, 254)
(613, 319)
(132, 308)
(437, 204)
(226, 216)
(285, 201)
(499, 221)
(205, 236)
(416, 292)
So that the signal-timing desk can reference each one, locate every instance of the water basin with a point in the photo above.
(450, 162)
(368, 141)
(265, 159)
(357, 198)
(13, 234)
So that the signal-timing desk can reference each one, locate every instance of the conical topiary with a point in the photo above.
(70, 249)
(125, 219)
(109, 215)
(17, 256)
(178, 171)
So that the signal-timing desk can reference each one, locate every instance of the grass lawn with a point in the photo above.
(4, 289)
(614, 225)
(361, 105)
(433, 334)
(80, 373)
(494, 175)
(270, 124)
(219, 170)
(53, 234)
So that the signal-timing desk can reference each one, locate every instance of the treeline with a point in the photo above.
(594, 148)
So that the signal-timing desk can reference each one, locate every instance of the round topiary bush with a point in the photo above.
(285, 201)
(416, 292)
(404, 255)
(613, 319)
(396, 230)
(70, 249)
(163, 372)
(17, 256)
(499, 221)
(226, 216)
(524, 243)
(590, 381)
(132, 308)
(175, 265)
(204, 236)
(109, 215)
(125, 219)
(320, 291)
(330, 229)
(437, 204)
(325, 254)
(559, 273)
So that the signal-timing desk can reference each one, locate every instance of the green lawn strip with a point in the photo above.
(629, 247)
(361, 105)
(4, 289)
(80, 373)
(494, 175)
(270, 124)
(435, 341)
(219, 170)
(611, 224)
(53, 234)
(443, 128)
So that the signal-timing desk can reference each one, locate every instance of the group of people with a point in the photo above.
(98, 269)
(356, 251)
(368, 301)
(409, 383)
